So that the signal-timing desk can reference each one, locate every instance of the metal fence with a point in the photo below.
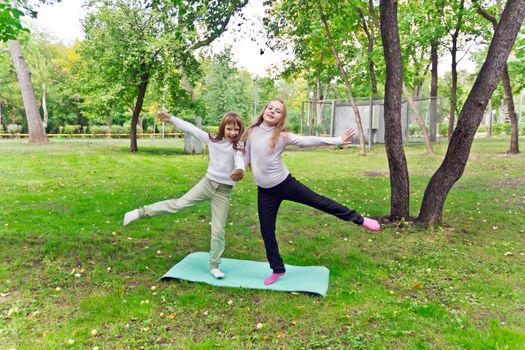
(331, 117)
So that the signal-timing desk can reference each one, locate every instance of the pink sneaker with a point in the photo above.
(371, 224)
(273, 278)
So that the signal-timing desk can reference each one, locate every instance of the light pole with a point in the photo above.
(254, 78)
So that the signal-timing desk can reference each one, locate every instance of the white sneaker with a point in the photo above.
(217, 273)
(131, 216)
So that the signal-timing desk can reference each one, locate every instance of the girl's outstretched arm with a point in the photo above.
(313, 141)
(184, 125)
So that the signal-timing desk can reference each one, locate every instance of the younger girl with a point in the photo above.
(265, 142)
(226, 165)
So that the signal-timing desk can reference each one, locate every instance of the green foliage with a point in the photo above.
(225, 89)
(99, 129)
(443, 129)
(117, 129)
(483, 128)
(501, 128)
(10, 21)
(132, 42)
(71, 129)
(14, 129)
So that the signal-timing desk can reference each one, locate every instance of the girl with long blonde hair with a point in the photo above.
(265, 141)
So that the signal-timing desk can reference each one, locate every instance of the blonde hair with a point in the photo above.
(229, 118)
(278, 128)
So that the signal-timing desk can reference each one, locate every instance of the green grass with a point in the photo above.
(67, 266)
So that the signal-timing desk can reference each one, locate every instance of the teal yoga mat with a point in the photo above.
(250, 274)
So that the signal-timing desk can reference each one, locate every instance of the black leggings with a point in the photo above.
(269, 200)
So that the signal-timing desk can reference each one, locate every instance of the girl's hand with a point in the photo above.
(163, 117)
(237, 175)
(346, 137)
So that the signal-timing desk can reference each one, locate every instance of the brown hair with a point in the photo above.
(229, 118)
(278, 128)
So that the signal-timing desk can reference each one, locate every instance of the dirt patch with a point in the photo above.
(375, 174)
(510, 182)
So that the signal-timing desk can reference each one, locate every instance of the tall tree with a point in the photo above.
(37, 132)
(471, 114)
(509, 97)
(342, 69)
(137, 41)
(399, 180)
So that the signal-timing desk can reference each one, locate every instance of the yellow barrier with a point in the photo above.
(96, 135)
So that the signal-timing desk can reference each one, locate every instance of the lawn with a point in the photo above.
(72, 277)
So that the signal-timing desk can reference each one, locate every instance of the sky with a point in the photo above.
(62, 21)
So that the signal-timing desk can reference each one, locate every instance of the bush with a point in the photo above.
(14, 129)
(507, 128)
(522, 130)
(71, 129)
(483, 128)
(99, 129)
(127, 128)
(497, 129)
(443, 130)
(117, 129)
(413, 130)
(151, 129)
(1, 129)
(212, 129)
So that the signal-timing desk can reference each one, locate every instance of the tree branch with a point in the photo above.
(217, 33)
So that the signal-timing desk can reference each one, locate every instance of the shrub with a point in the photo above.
(443, 130)
(483, 128)
(117, 129)
(71, 129)
(212, 129)
(99, 129)
(413, 129)
(507, 128)
(1, 129)
(14, 129)
(151, 129)
(127, 128)
(497, 129)
(522, 129)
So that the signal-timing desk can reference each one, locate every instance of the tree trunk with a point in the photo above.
(433, 89)
(37, 132)
(107, 119)
(509, 98)
(419, 120)
(489, 131)
(362, 144)
(44, 106)
(138, 108)
(453, 52)
(453, 91)
(399, 180)
(472, 114)
(318, 94)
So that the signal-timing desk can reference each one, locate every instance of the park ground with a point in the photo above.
(72, 277)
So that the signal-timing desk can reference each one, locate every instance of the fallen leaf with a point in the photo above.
(419, 285)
